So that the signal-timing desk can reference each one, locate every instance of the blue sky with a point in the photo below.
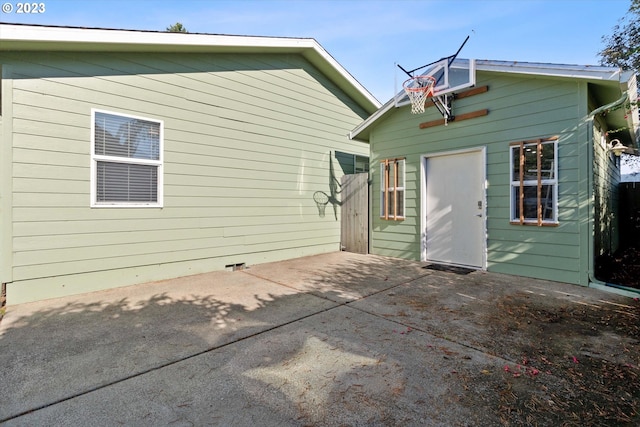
(368, 37)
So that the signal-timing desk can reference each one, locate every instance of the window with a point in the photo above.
(352, 163)
(361, 164)
(126, 164)
(392, 189)
(534, 182)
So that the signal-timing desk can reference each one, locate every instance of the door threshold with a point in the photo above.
(448, 268)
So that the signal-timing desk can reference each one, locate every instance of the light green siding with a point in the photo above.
(520, 108)
(606, 176)
(248, 140)
(5, 178)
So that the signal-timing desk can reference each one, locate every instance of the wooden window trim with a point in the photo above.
(388, 163)
(521, 159)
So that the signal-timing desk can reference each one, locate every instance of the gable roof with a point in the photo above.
(20, 37)
(613, 79)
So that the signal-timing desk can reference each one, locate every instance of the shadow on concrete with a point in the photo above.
(341, 339)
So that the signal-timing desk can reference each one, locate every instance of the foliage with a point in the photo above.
(179, 28)
(622, 47)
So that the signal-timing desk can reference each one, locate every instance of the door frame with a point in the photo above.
(423, 198)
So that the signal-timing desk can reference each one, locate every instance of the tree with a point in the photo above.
(179, 28)
(622, 48)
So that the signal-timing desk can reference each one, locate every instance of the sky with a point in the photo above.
(369, 37)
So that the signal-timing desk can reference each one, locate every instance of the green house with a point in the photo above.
(133, 156)
(511, 170)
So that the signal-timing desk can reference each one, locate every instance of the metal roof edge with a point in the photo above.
(594, 72)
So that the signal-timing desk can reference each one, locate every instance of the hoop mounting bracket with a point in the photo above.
(444, 105)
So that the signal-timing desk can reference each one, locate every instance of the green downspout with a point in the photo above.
(607, 107)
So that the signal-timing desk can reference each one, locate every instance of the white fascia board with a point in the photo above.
(382, 111)
(73, 35)
(32, 37)
(344, 74)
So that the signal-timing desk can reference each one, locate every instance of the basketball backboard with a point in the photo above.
(450, 76)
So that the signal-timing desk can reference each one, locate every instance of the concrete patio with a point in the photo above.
(330, 340)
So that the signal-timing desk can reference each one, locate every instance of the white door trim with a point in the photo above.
(423, 198)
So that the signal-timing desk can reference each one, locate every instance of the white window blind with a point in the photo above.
(127, 160)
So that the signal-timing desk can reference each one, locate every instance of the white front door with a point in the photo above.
(454, 208)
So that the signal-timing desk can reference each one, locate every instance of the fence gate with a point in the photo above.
(355, 213)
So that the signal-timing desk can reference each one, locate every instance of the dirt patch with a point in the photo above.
(575, 364)
(621, 268)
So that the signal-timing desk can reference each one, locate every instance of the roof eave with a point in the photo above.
(604, 75)
(37, 38)
(361, 132)
(587, 72)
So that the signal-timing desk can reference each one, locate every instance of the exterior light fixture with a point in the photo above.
(617, 148)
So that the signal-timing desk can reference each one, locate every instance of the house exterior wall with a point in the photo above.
(606, 175)
(520, 108)
(248, 139)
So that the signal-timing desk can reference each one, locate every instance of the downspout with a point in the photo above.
(593, 282)
(607, 107)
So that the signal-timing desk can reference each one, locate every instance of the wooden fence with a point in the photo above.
(355, 213)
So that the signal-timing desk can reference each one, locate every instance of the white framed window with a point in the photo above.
(360, 164)
(392, 189)
(126, 160)
(534, 182)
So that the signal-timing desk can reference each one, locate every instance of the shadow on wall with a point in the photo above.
(322, 199)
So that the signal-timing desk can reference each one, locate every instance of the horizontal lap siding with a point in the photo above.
(248, 140)
(519, 109)
(606, 196)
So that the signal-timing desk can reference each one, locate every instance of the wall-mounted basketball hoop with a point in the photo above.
(437, 82)
(419, 89)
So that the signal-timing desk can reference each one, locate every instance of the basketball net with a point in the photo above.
(419, 89)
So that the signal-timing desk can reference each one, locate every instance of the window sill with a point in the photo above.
(132, 205)
(535, 223)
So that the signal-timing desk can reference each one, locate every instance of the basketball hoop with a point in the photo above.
(321, 199)
(418, 89)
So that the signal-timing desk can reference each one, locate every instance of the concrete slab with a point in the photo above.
(339, 367)
(470, 309)
(55, 349)
(340, 276)
(335, 339)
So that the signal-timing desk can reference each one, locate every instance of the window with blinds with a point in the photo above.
(126, 160)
